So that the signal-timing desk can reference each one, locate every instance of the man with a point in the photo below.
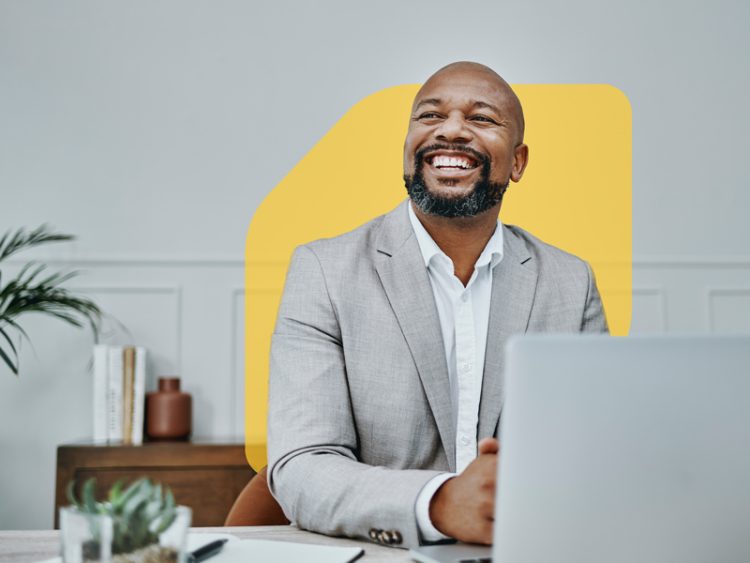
(387, 358)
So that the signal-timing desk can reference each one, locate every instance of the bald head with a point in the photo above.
(468, 71)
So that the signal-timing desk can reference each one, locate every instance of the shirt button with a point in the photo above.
(464, 440)
(465, 297)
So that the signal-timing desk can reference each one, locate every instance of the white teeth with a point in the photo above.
(450, 161)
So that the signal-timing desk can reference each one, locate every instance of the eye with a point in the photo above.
(482, 119)
(428, 115)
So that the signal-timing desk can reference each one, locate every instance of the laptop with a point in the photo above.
(624, 450)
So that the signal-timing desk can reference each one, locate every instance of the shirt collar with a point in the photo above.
(492, 253)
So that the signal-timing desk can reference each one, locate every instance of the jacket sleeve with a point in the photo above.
(593, 319)
(314, 471)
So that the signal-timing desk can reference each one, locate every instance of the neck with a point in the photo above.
(462, 239)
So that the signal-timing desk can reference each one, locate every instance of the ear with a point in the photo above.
(520, 160)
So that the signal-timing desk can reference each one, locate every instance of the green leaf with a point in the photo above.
(18, 327)
(169, 500)
(21, 240)
(115, 493)
(140, 497)
(13, 366)
(89, 501)
(68, 318)
(163, 522)
(131, 491)
(152, 509)
(57, 278)
(27, 274)
(4, 334)
(70, 493)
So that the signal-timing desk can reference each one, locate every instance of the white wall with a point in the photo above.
(152, 130)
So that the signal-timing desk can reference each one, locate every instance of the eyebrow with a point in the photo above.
(485, 105)
(476, 104)
(428, 101)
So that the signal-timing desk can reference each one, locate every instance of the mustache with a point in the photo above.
(482, 159)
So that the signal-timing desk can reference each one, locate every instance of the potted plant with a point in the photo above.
(138, 524)
(33, 290)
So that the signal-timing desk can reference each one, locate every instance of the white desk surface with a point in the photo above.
(37, 545)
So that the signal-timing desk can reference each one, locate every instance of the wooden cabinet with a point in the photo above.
(205, 476)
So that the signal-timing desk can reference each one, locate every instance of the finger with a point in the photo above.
(485, 532)
(488, 446)
(487, 508)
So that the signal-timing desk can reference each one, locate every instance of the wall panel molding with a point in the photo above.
(210, 261)
(728, 292)
(661, 297)
(141, 289)
(687, 261)
(135, 261)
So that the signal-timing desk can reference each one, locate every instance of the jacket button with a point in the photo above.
(374, 534)
(397, 539)
(387, 537)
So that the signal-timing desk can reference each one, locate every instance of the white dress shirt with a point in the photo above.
(464, 316)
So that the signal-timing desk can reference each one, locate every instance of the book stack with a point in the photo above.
(119, 393)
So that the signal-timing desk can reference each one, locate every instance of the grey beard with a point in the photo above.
(485, 195)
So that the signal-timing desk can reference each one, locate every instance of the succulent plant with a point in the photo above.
(140, 513)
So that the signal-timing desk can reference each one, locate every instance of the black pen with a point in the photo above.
(208, 550)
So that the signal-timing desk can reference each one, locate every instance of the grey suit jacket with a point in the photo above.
(359, 399)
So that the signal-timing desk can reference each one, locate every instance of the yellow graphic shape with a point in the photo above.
(575, 194)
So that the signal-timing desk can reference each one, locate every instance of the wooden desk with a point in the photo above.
(38, 545)
(206, 476)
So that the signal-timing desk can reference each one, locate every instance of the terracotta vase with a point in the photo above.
(169, 411)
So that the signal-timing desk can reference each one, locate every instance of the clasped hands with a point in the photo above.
(464, 506)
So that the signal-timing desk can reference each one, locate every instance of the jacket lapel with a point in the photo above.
(513, 288)
(402, 272)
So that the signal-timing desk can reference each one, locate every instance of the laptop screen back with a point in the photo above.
(625, 450)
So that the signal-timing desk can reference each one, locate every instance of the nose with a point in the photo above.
(453, 129)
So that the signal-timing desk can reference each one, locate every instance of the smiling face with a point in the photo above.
(465, 142)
